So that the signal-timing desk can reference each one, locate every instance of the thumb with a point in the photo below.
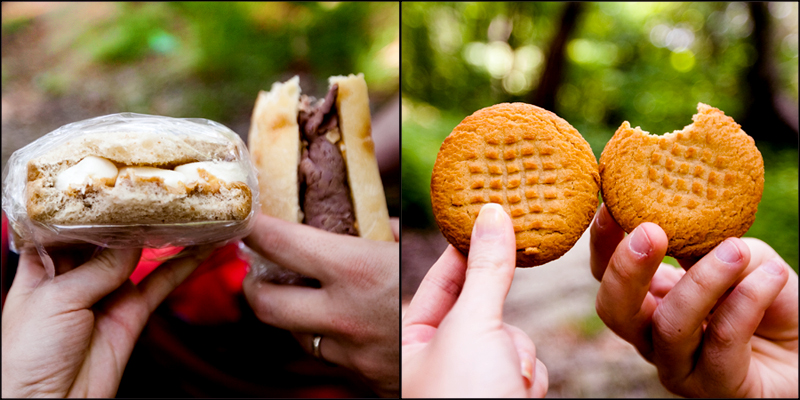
(490, 265)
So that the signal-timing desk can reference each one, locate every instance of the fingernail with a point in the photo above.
(527, 369)
(773, 267)
(727, 252)
(640, 243)
(601, 219)
(489, 223)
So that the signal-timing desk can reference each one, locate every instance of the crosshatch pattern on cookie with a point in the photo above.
(523, 176)
(688, 175)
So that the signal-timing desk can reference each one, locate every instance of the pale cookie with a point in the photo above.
(701, 184)
(530, 161)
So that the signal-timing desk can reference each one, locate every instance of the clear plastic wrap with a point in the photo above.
(265, 270)
(194, 136)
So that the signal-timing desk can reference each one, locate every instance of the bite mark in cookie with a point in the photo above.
(701, 184)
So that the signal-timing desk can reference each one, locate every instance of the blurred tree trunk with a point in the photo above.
(545, 94)
(768, 117)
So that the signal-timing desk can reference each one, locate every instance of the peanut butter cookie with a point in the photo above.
(530, 161)
(701, 184)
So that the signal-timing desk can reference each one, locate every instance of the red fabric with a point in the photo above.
(209, 295)
(151, 258)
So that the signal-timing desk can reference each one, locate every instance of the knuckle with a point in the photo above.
(721, 333)
(666, 330)
(446, 284)
(701, 280)
(482, 262)
(362, 272)
(169, 276)
(106, 259)
(747, 293)
(352, 327)
(618, 268)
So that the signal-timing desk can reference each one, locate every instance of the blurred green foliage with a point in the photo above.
(216, 56)
(777, 220)
(15, 24)
(647, 63)
(590, 326)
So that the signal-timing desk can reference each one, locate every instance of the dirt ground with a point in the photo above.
(554, 305)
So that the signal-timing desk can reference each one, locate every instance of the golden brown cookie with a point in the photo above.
(701, 184)
(530, 161)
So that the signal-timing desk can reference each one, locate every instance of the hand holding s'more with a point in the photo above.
(328, 257)
(131, 180)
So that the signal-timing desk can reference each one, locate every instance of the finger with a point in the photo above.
(300, 247)
(526, 352)
(665, 278)
(783, 311)
(490, 266)
(280, 242)
(30, 274)
(99, 276)
(294, 308)
(395, 223)
(330, 349)
(781, 317)
(760, 252)
(438, 291)
(728, 334)
(624, 302)
(677, 323)
(541, 381)
(30, 271)
(68, 258)
(604, 239)
(158, 284)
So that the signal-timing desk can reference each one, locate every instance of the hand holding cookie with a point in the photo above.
(727, 327)
(455, 343)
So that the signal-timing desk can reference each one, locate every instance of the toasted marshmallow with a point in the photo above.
(225, 171)
(87, 170)
(169, 177)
